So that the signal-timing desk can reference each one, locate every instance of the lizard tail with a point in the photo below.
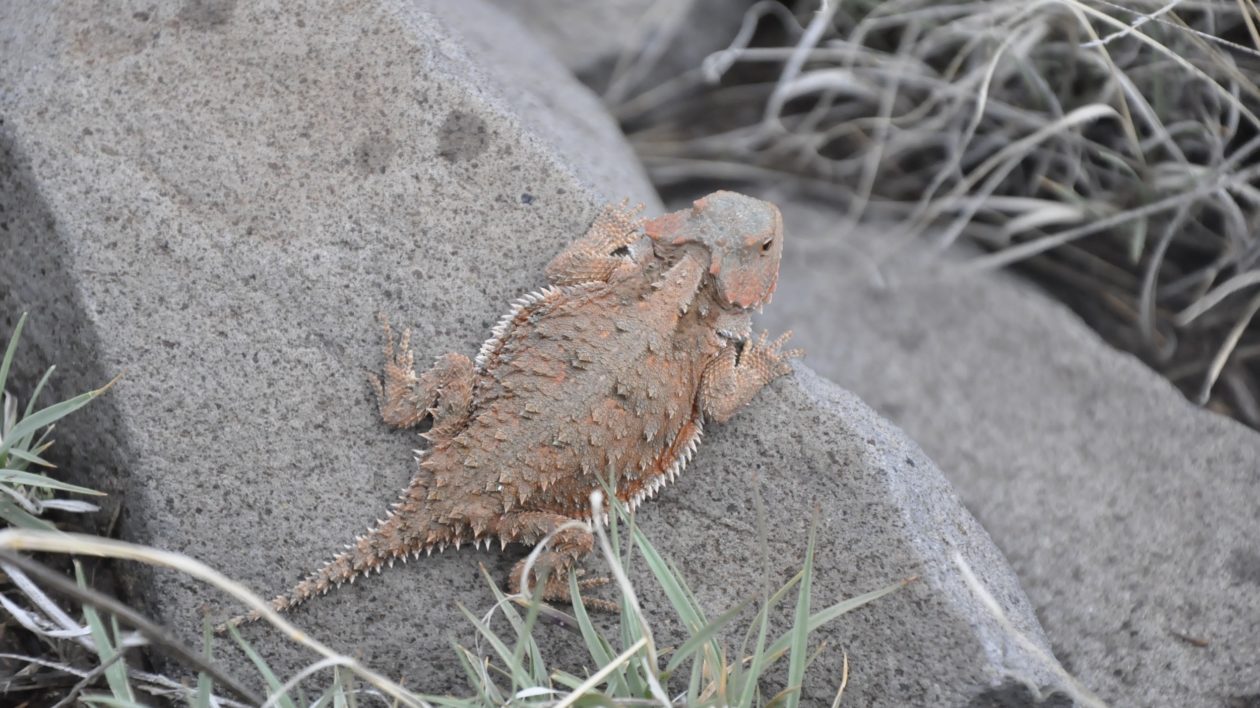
(399, 535)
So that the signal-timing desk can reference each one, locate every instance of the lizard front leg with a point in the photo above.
(443, 392)
(737, 374)
(603, 249)
(564, 550)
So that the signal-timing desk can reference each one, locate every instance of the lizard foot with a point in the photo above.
(396, 395)
(443, 392)
(618, 220)
(556, 587)
(595, 603)
(767, 359)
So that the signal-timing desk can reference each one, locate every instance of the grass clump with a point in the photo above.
(1109, 149)
(511, 669)
(25, 494)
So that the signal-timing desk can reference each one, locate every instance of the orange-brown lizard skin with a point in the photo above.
(611, 371)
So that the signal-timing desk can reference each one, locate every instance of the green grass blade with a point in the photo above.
(565, 679)
(799, 634)
(524, 630)
(522, 627)
(600, 650)
(116, 674)
(39, 388)
(10, 350)
(631, 624)
(693, 684)
(525, 641)
(478, 679)
(744, 682)
(339, 690)
(25, 442)
(822, 617)
(41, 418)
(273, 682)
(29, 457)
(519, 676)
(201, 699)
(15, 515)
(746, 688)
(630, 635)
(688, 611)
(705, 634)
(31, 479)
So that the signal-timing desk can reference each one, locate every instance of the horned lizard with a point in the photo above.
(609, 372)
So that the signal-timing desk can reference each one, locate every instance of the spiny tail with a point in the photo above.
(405, 532)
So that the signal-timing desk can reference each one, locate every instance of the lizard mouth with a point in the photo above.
(735, 325)
(737, 333)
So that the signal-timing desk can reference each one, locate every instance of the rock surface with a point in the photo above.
(219, 197)
(886, 513)
(1128, 513)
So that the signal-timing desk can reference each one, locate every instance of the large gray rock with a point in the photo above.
(218, 198)
(1128, 513)
(885, 513)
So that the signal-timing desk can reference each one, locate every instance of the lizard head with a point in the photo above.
(744, 237)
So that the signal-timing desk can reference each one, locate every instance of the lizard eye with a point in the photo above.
(620, 251)
(765, 245)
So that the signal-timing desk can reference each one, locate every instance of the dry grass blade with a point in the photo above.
(153, 632)
(1081, 695)
(56, 542)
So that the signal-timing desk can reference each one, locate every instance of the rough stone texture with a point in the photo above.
(591, 37)
(218, 198)
(1128, 513)
(886, 513)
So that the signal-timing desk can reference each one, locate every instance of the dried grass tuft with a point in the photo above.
(1108, 149)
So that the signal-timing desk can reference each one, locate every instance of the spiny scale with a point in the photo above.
(671, 472)
(501, 327)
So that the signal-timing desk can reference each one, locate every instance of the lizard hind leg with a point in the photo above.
(405, 399)
(565, 549)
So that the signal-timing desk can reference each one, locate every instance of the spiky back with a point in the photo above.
(577, 384)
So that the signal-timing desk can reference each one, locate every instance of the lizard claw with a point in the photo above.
(556, 588)
(768, 359)
(396, 392)
(601, 605)
(619, 223)
(596, 582)
(593, 603)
